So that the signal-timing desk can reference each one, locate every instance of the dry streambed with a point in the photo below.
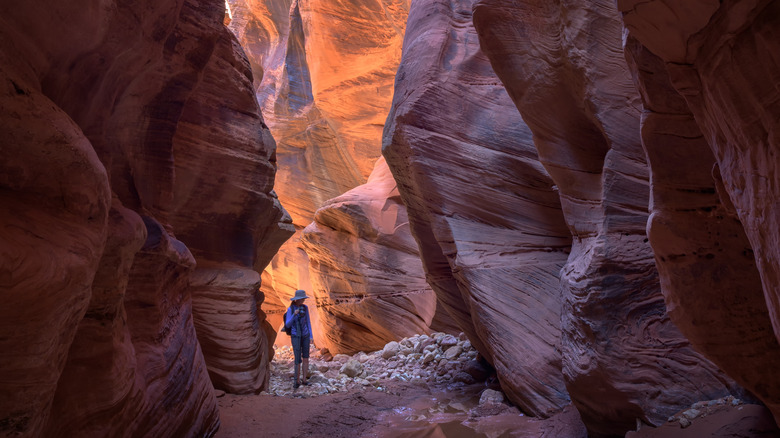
(434, 386)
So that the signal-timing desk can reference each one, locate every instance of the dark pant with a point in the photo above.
(300, 345)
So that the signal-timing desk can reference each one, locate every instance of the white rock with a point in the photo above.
(452, 352)
(342, 358)
(391, 349)
(490, 396)
(691, 413)
(448, 341)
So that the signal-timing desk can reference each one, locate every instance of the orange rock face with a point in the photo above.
(366, 271)
(122, 166)
(482, 208)
(708, 130)
(564, 69)
(327, 82)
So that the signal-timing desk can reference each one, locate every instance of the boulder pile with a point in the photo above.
(436, 359)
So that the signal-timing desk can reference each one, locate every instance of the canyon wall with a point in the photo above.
(708, 76)
(122, 170)
(366, 272)
(325, 87)
(484, 212)
(623, 359)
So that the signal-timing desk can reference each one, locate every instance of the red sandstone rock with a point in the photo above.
(55, 201)
(713, 156)
(325, 90)
(124, 98)
(482, 208)
(367, 276)
(622, 357)
(231, 221)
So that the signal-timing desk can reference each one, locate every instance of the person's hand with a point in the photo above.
(296, 311)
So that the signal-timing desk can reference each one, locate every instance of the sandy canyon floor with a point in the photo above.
(393, 394)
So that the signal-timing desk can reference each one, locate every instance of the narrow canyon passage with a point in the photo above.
(508, 218)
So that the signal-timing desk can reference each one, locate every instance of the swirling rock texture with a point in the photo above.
(366, 272)
(711, 113)
(623, 359)
(111, 112)
(325, 90)
(482, 208)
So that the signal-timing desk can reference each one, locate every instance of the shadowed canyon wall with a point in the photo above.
(482, 208)
(623, 359)
(136, 179)
(708, 74)
(325, 90)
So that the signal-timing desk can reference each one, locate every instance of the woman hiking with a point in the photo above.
(297, 318)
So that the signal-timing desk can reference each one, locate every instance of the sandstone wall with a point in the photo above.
(325, 90)
(623, 359)
(708, 75)
(482, 208)
(118, 149)
(367, 277)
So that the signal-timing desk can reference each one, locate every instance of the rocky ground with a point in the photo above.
(436, 359)
(432, 386)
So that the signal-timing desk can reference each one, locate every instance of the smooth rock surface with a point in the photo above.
(721, 57)
(365, 269)
(483, 210)
(115, 134)
(705, 261)
(326, 83)
(623, 358)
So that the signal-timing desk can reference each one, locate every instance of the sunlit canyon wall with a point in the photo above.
(366, 271)
(136, 179)
(324, 78)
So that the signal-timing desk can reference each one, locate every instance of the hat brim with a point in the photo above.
(299, 298)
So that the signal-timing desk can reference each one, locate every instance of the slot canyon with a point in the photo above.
(567, 210)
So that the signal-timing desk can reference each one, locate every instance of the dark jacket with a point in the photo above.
(298, 322)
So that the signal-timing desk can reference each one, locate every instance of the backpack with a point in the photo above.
(286, 328)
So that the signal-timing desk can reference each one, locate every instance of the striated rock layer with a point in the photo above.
(482, 208)
(711, 112)
(325, 90)
(367, 278)
(623, 359)
(116, 137)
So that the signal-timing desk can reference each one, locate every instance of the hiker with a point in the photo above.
(297, 319)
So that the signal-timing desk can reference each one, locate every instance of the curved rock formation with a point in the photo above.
(325, 90)
(622, 358)
(482, 208)
(366, 272)
(711, 149)
(123, 98)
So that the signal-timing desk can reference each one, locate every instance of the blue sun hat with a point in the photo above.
(300, 294)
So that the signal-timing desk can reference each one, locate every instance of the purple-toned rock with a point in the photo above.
(623, 358)
(482, 208)
(709, 131)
